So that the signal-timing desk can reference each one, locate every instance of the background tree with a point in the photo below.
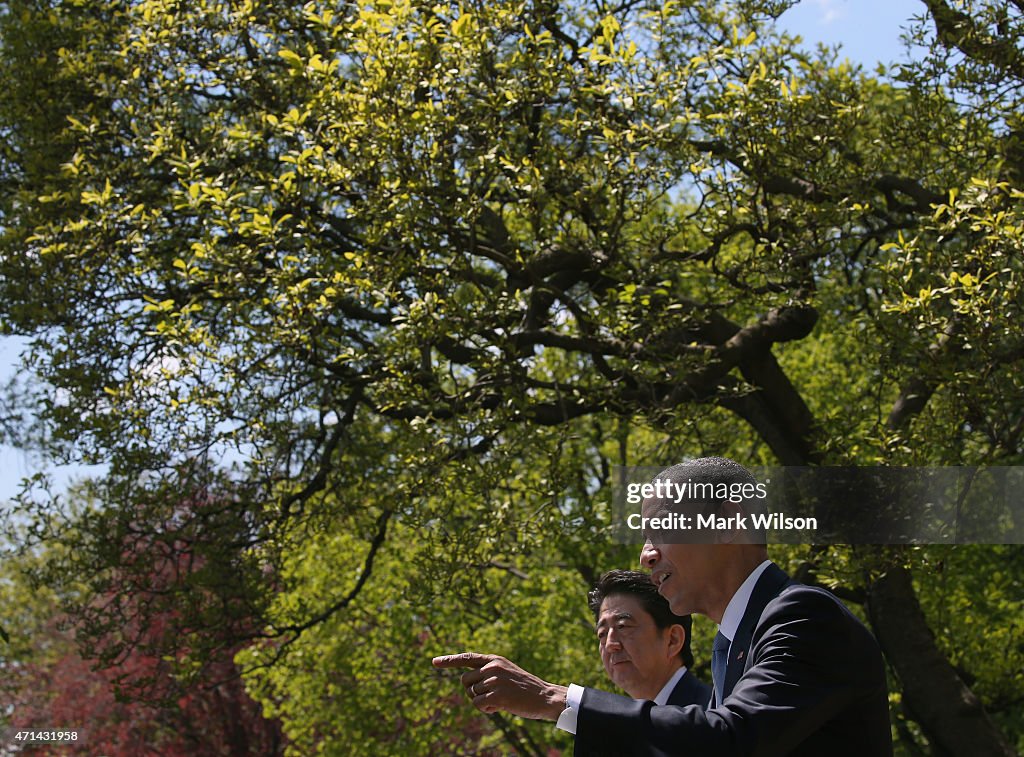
(138, 702)
(421, 273)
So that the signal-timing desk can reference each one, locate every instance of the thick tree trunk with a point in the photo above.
(948, 712)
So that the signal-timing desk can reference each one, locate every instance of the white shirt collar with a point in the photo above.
(666, 690)
(738, 604)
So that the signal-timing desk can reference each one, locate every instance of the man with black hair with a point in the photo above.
(644, 646)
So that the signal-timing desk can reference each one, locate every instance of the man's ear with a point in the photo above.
(676, 639)
(730, 509)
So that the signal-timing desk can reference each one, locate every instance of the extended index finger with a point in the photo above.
(462, 660)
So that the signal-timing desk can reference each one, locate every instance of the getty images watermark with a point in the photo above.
(689, 491)
(825, 505)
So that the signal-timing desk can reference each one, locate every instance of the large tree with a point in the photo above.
(422, 272)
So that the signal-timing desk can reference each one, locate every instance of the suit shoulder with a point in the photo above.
(803, 599)
(803, 609)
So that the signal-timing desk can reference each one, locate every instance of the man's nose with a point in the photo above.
(649, 556)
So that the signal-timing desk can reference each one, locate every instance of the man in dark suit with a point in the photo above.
(644, 646)
(795, 673)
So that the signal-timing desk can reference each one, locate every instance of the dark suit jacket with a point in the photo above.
(804, 677)
(688, 690)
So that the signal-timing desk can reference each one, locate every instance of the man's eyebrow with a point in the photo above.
(616, 616)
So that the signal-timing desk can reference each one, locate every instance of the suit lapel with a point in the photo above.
(766, 589)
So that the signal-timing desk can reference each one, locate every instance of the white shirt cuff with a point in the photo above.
(567, 720)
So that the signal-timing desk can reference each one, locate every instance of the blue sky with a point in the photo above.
(868, 32)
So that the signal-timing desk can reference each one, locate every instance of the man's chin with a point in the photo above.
(678, 606)
(622, 679)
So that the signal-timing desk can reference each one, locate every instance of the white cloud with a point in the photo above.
(829, 11)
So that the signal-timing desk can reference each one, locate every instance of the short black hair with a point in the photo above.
(717, 474)
(636, 584)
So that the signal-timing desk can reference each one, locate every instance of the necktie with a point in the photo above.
(719, 658)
